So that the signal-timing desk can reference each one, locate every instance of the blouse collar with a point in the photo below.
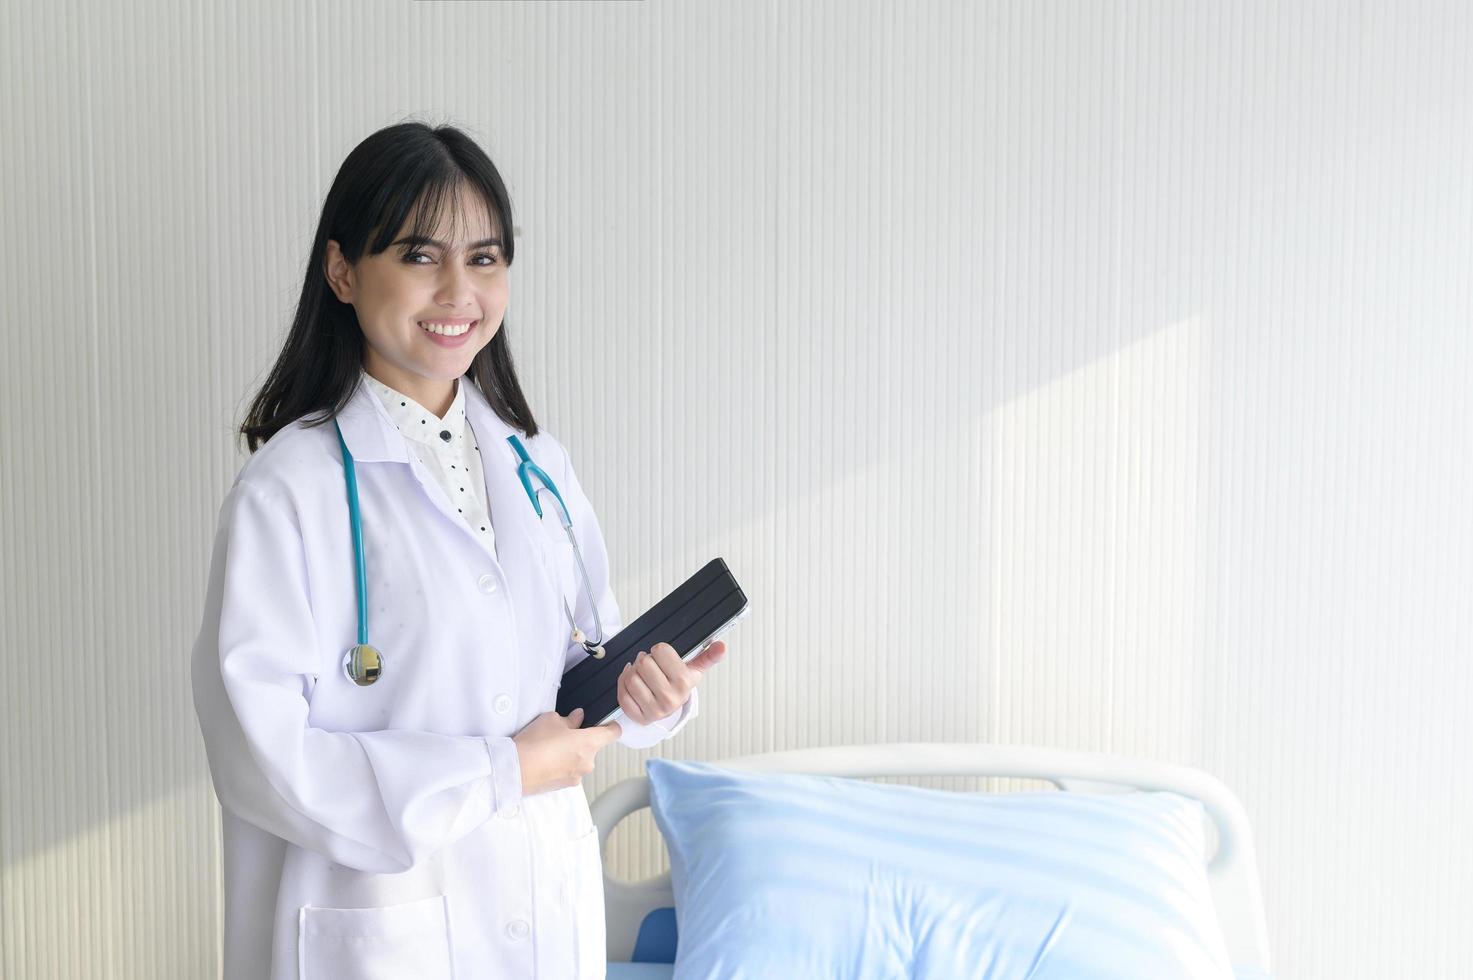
(419, 423)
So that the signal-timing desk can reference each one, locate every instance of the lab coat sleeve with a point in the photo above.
(376, 801)
(596, 560)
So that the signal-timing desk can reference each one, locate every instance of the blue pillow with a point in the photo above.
(782, 875)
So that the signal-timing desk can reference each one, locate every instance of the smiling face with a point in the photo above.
(427, 306)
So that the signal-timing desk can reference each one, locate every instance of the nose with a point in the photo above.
(453, 292)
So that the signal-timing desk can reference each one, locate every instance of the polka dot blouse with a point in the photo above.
(447, 448)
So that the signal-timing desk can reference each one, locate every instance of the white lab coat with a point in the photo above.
(380, 831)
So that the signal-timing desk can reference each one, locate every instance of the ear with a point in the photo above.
(338, 272)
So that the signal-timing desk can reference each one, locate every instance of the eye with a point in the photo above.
(494, 258)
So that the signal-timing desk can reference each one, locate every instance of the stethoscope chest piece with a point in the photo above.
(363, 664)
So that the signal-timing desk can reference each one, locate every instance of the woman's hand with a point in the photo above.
(657, 682)
(554, 752)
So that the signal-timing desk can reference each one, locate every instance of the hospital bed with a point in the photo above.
(641, 931)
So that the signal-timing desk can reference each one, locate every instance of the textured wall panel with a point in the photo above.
(1090, 375)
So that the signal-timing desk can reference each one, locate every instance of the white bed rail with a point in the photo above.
(1232, 869)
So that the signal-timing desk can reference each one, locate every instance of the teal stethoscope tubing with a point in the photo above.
(526, 469)
(350, 473)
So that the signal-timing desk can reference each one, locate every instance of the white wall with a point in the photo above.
(1089, 375)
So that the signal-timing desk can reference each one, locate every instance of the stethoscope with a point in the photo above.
(364, 664)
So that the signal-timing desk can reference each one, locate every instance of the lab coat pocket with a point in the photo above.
(386, 943)
(557, 553)
(561, 564)
(588, 906)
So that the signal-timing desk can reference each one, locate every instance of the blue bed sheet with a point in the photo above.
(664, 971)
(640, 971)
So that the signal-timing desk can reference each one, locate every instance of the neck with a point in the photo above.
(435, 396)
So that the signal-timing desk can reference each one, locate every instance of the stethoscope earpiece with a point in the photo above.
(595, 650)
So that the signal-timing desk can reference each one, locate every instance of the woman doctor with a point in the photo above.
(431, 823)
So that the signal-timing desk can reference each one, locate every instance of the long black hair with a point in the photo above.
(399, 169)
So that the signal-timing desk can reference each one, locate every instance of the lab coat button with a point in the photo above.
(518, 929)
(487, 583)
(512, 811)
(502, 704)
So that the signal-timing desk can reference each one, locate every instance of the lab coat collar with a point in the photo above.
(373, 437)
(490, 430)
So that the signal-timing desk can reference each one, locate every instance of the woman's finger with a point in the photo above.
(679, 673)
(707, 658)
(660, 683)
(639, 694)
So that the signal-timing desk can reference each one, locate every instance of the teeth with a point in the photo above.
(447, 330)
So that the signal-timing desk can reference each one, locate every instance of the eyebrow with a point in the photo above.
(425, 240)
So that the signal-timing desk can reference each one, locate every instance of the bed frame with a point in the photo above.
(640, 914)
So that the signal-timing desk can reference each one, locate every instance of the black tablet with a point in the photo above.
(700, 609)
